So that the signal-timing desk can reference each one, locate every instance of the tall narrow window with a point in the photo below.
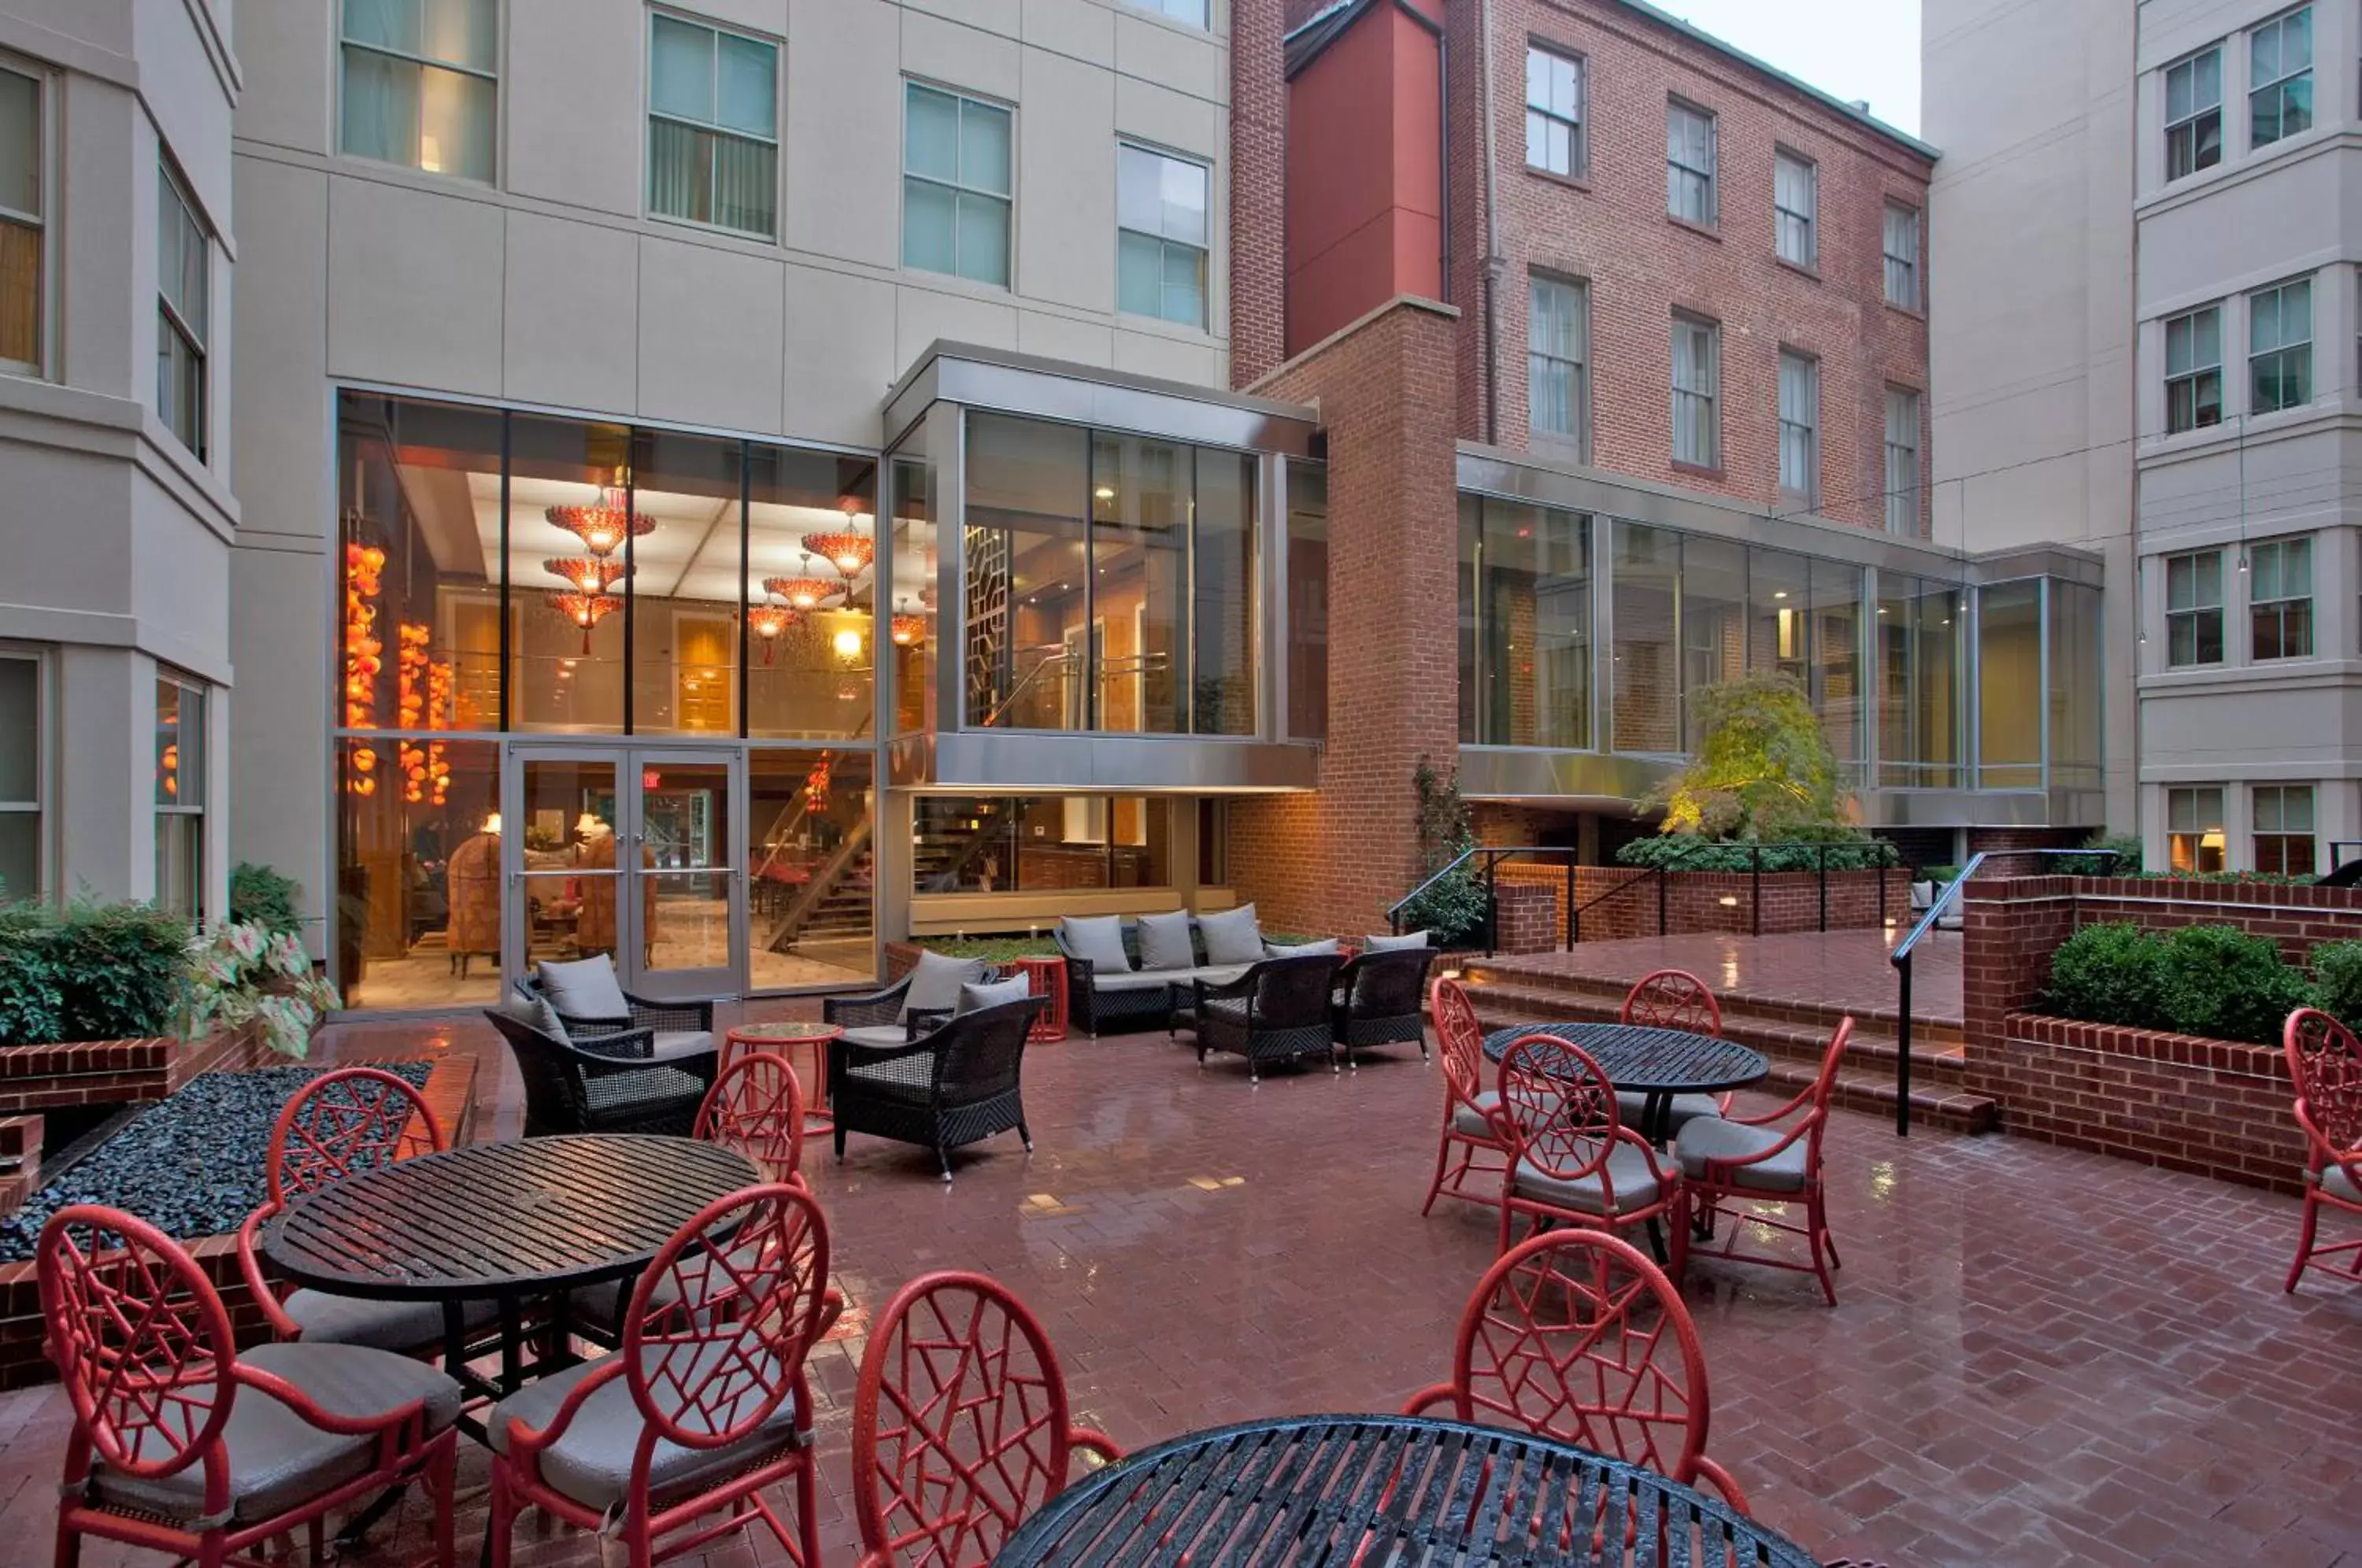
(1558, 386)
(1902, 243)
(1689, 162)
(2279, 78)
(24, 154)
(2280, 598)
(956, 185)
(1800, 430)
(2283, 825)
(2280, 347)
(23, 768)
(1795, 205)
(1161, 235)
(2193, 113)
(2193, 828)
(1697, 392)
(179, 796)
(2193, 370)
(2193, 609)
(713, 126)
(183, 276)
(1903, 461)
(1554, 114)
(421, 83)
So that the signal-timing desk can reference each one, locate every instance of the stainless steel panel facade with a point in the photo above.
(1035, 762)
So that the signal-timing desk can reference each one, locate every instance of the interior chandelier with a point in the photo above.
(604, 525)
(585, 610)
(802, 593)
(768, 621)
(909, 631)
(588, 574)
(843, 548)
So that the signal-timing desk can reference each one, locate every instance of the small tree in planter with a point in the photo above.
(1452, 906)
(1762, 768)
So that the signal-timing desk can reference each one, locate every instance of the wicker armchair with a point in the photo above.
(1376, 1001)
(673, 1029)
(609, 1084)
(1146, 1006)
(954, 1086)
(1277, 1010)
(872, 1009)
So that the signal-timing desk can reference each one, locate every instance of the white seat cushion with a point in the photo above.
(1216, 974)
(1631, 1107)
(671, 1044)
(1711, 1138)
(1627, 1170)
(328, 1320)
(1472, 1121)
(877, 1037)
(1391, 944)
(584, 987)
(1126, 980)
(592, 1461)
(277, 1459)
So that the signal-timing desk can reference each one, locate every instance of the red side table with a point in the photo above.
(783, 1035)
(1049, 978)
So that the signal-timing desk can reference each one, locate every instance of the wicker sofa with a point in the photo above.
(1125, 974)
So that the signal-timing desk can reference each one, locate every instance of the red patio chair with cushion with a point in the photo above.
(1470, 1144)
(2326, 1064)
(1673, 999)
(705, 1407)
(1577, 1336)
(1573, 1161)
(756, 1107)
(183, 1446)
(1754, 1164)
(961, 1427)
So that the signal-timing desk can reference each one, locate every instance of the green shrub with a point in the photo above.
(2337, 981)
(1453, 905)
(121, 970)
(259, 896)
(31, 1007)
(2109, 973)
(2218, 981)
(1683, 851)
(2113, 854)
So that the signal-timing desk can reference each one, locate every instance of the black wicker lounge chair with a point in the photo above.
(681, 1033)
(954, 1086)
(1377, 1001)
(1277, 1010)
(610, 1084)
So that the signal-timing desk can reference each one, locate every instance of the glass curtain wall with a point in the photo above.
(810, 588)
(2009, 685)
(2074, 695)
(1041, 843)
(1645, 580)
(812, 874)
(1714, 617)
(1918, 639)
(910, 631)
(1529, 622)
(1308, 599)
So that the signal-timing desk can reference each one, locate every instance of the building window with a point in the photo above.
(955, 186)
(24, 154)
(1161, 235)
(713, 123)
(1903, 461)
(1799, 429)
(2193, 609)
(22, 769)
(2279, 78)
(1193, 12)
(183, 279)
(2193, 370)
(1902, 256)
(1040, 843)
(1554, 114)
(179, 796)
(2193, 828)
(1558, 335)
(1697, 392)
(2280, 347)
(1795, 205)
(2280, 598)
(2193, 113)
(2283, 820)
(1689, 162)
(420, 84)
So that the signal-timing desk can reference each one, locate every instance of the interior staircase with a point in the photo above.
(1792, 1036)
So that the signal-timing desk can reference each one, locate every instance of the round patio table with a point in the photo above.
(790, 1033)
(506, 1222)
(1657, 1064)
(1387, 1490)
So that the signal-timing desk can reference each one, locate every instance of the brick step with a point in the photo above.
(1536, 980)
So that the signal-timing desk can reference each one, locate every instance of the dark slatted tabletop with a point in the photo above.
(1648, 1061)
(1382, 1490)
(497, 1219)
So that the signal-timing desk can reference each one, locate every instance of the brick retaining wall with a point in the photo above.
(1695, 900)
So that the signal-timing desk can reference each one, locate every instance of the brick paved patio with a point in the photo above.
(2041, 1357)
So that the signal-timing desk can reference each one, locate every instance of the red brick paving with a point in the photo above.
(2040, 1357)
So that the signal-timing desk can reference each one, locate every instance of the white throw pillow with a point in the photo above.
(1326, 947)
(1395, 943)
(1231, 936)
(1165, 942)
(585, 987)
(935, 983)
(976, 997)
(1098, 939)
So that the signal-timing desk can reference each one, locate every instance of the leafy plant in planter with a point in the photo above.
(259, 896)
(90, 971)
(2108, 973)
(32, 1008)
(2216, 982)
(1454, 906)
(243, 975)
(2336, 981)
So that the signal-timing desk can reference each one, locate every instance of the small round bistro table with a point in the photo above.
(1386, 1489)
(1657, 1064)
(506, 1222)
(785, 1033)
(1049, 979)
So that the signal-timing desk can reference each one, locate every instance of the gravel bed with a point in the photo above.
(190, 1164)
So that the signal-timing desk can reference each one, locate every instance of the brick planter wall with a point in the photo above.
(118, 1072)
(1693, 901)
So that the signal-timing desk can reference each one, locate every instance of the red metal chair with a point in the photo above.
(181, 1445)
(356, 1119)
(1572, 1161)
(1577, 1336)
(960, 1424)
(705, 1407)
(2326, 1064)
(756, 1107)
(1673, 999)
(1470, 1143)
(1741, 1167)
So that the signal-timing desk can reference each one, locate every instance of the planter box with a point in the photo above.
(122, 1072)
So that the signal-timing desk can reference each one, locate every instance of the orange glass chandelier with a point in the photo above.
(585, 610)
(587, 574)
(802, 593)
(909, 631)
(604, 525)
(770, 621)
(847, 551)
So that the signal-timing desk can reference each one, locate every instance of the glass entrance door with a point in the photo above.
(630, 853)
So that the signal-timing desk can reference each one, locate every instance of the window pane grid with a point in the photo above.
(2283, 829)
(23, 167)
(1795, 204)
(1689, 163)
(2280, 598)
(1558, 330)
(2279, 57)
(2193, 605)
(2193, 370)
(1697, 432)
(1800, 398)
(2194, 828)
(419, 83)
(1554, 114)
(955, 186)
(2279, 347)
(183, 283)
(1902, 256)
(2194, 115)
(1161, 236)
(1902, 461)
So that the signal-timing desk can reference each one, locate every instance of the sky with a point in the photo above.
(1849, 48)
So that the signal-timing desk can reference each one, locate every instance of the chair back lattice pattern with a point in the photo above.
(983, 1052)
(2325, 1061)
(1387, 983)
(718, 1327)
(756, 1107)
(141, 1342)
(1462, 1037)
(1673, 999)
(1577, 1336)
(1559, 1107)
(356, 1119)
(1293, 993)
(961, 1426)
